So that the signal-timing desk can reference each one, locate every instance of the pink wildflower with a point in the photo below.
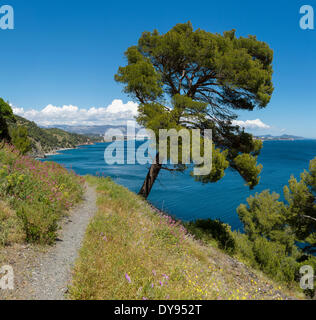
(128, 278)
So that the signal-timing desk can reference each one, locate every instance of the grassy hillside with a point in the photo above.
(132, 252)
(48, 140)
(34, 196)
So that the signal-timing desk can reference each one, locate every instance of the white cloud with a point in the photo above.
(116, 113)
(251, 124)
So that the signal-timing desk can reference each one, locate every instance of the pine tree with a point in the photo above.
(198, 80)
(19, 138)
(6, 115)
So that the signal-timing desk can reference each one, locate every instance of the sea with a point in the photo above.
(180, 196)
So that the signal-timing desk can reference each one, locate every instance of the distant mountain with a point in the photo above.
(280, 138)
(101, 130)
(89, 130)
(92, 130)
(49, 140)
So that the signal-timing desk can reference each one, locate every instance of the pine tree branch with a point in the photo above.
(308, 217)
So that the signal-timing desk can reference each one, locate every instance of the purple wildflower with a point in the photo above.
(128, 278)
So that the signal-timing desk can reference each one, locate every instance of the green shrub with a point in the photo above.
(272, 259)
(40, 194)
(244, 249)
(40, 226)
(20, 140)
(215, 229)
(11, 230)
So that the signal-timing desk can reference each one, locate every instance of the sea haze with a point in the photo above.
(181, 196)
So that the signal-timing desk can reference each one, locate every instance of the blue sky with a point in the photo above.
(66, 52)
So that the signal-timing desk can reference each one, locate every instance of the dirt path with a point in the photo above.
(52, 272)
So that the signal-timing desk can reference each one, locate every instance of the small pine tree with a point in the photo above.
(301, 196)
(266, 216)
(20, 140)
(6, 115)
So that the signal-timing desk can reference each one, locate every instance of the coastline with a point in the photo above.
(57, 151)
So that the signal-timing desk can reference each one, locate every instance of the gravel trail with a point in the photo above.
(52, 273)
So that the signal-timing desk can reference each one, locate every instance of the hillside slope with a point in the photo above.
(35, 197)
(49, 140)
(132, 252)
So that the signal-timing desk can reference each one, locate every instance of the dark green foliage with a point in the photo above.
(40, 226)
(194, 79)
(301, 196)
(273, 228)
(20, 140)
(247, 167)
(38, 193)
(47, 140)
(215, 229)
(265, 216)
(272, 258)
(244, 249)
(296, 221)
(6, 115)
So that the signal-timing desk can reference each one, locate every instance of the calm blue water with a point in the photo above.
(181, 196)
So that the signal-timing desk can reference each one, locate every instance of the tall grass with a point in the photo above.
(37, 195)
(131, 252)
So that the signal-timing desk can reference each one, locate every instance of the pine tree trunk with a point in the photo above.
(150, 178)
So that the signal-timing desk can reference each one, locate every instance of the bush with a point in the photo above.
(19, 138)
(40, 193)
(244, 249)
(40, 226)
(215, 229)
(11, 230)
(272, 259)
(6, 115)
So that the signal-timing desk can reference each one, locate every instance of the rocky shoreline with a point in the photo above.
(57, 151)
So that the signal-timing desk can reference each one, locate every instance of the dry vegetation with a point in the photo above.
(132, 252)
(34, 196)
